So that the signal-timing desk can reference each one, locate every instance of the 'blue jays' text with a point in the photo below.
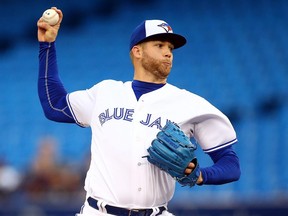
(127, 115)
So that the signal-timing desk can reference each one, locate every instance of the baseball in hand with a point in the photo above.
(51, 17)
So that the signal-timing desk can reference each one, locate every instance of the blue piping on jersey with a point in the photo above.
(221, 146)
(72, 112)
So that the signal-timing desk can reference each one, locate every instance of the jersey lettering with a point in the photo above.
(120, 115)
(156, 123)
(147, 120)
(127, 115)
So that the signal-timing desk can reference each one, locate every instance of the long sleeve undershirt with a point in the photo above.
(51, 91)
(52, 95)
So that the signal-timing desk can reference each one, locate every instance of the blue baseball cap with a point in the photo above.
(156, 30)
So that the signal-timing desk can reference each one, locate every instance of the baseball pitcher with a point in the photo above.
(141, 129)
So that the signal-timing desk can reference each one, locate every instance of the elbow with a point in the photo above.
(48, 112)
(233, 177)
(236, 174)
(57, 115)
(239, 174)
(237, 177)
(233, 174)
(237, 171)
(49, 116)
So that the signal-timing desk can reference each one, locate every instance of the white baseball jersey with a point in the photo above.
(122, 130)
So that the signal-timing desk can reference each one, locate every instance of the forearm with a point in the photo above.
(226, 168)
(51, 91)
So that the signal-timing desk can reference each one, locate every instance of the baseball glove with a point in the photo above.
(172, 151)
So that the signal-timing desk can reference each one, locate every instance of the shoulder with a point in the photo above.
(198, 108)
(103, 87)
(110, 84)
(178, 90)
(186, 95)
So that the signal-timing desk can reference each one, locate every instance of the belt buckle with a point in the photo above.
(137, 211)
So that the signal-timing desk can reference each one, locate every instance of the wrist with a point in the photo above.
(200, 179)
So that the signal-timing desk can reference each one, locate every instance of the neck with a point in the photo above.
(147, 77)
(140, 87)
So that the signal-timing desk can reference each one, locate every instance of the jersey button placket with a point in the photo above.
(139, 112)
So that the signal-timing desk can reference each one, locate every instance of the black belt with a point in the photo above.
(123, 211)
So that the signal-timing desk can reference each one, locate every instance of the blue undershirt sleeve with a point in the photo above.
(226, 167)
(51, 91)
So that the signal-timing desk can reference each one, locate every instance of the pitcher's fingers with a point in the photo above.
(188, 171)
(191, 165)
(41, 24)
(59, 13)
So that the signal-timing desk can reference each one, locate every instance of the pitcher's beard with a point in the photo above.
(157, 68)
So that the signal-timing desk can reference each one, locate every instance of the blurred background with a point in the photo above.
(236, 57)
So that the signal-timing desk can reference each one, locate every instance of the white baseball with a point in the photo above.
(51, 17)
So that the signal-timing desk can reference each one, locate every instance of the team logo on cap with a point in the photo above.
(166, 27)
